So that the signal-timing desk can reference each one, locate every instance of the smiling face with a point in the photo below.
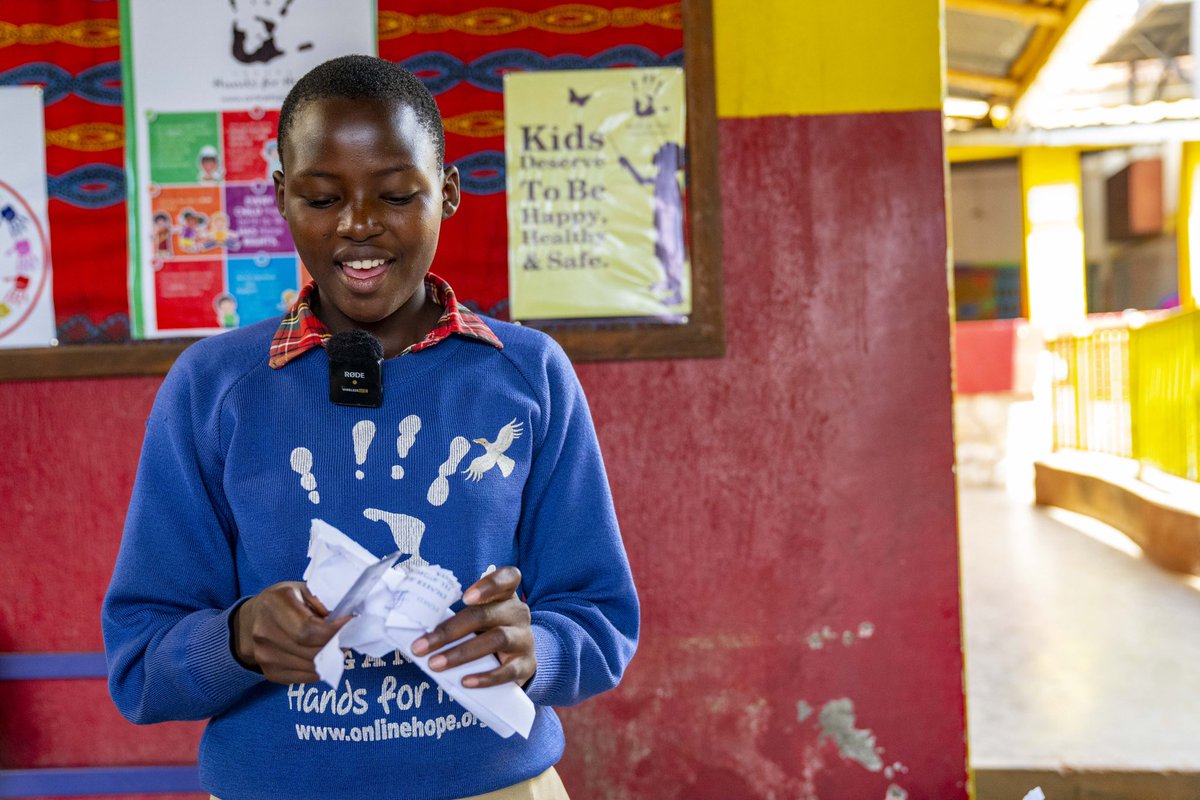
(364, 195)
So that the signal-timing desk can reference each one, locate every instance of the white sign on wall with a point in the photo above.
(26, 288)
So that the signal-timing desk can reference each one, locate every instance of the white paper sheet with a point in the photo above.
(405, 604)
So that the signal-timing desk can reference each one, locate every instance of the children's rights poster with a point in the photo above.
(595, 170)
(26, 295)
(204, 82)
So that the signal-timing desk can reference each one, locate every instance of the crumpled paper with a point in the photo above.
(404, 605)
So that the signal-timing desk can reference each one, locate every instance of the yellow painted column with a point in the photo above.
(785, 58)
(1187, 226)
(833, 197)
(1053, 283)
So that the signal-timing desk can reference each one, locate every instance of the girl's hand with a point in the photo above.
(501, 624)
(279, 632)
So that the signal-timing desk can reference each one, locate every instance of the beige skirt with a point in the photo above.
(547, 786)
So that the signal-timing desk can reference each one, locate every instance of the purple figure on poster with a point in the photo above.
(668, 218)
(26, 260)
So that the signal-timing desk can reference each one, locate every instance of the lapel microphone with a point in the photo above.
(355, 369)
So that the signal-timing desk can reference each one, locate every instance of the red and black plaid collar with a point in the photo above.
(301, 331)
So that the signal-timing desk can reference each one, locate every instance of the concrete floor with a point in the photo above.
(1080, 657)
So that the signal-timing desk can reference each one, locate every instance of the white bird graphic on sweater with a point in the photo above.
(494, 457)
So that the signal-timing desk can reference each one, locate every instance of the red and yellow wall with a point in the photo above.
(789, 509)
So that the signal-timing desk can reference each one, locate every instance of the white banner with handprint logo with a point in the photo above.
(26, 295)
(595, 173)
(203, 87)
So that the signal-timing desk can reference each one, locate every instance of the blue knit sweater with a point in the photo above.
(239, 458)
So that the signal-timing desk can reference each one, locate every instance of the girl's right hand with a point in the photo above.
(280, 631)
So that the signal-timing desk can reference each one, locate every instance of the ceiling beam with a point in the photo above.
(985, 84)
(1017, 12)
(1032, 60)
(1033, 48)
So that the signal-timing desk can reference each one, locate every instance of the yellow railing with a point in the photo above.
(1090, 392)
(1166, 395)
(1132, 391)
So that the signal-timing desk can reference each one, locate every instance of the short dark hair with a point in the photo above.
(357, 77)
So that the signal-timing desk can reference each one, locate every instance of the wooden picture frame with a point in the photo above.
(701, 336)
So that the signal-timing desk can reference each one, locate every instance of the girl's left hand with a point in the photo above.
(501, 624)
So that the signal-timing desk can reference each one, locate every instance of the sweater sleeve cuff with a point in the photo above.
(550, 680)
(211, 663)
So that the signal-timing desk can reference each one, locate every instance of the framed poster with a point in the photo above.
(595, 169)
(26, 295)
(204, 83)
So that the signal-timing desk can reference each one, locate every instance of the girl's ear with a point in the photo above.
(451, 193)
(277, 176)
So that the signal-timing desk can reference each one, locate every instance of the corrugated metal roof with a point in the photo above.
(984, 45)
(1165, 31)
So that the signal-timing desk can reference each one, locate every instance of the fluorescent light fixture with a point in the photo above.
(1096, 136)
(966, 107)
(1096, 28)
(1143, 114)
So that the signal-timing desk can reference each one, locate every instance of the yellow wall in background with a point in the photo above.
(966, 155)
(790, 57)
(1187, 227)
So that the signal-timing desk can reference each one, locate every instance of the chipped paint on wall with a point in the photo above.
(837, 722)
(817, 639)
(721, 641)
(813, 763)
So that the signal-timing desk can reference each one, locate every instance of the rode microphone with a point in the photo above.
(355, 363)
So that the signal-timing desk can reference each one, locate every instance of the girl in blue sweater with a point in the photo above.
(482, 459)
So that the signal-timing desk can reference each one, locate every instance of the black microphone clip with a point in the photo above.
(355, 369)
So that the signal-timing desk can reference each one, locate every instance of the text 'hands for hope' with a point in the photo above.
(501, 624)
(280, 631)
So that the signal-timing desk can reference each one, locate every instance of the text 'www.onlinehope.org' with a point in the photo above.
(382, 730)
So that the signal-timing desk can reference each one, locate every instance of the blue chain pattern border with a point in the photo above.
(99, 84)
(441, 72)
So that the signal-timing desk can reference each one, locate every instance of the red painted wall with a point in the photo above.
(800, 487)
(985, 355)
(789, 509)
(70, 450)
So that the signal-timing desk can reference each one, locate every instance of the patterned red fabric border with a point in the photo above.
(461, 49)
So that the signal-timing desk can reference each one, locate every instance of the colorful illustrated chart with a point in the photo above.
(221, 254)
(26, 304)
(209, 249)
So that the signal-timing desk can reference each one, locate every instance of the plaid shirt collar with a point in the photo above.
(301, 331)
